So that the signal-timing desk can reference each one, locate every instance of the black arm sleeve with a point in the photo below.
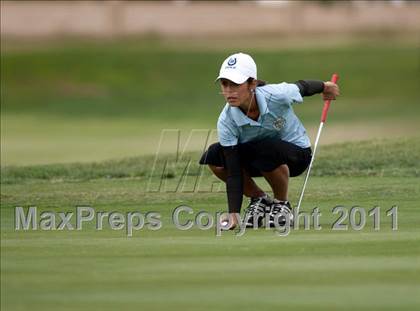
(234, 181)
(310, 87)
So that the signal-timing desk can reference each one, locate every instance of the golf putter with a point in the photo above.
(327, 103)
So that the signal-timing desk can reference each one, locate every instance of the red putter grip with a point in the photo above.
(327, 103)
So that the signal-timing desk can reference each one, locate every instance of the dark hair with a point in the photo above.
(259, 82)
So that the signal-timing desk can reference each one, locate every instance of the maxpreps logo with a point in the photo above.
(231, 63)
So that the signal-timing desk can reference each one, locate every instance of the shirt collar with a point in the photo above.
(241, 119)
(262, 103)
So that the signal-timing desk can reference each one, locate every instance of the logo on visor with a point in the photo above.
(232, 61)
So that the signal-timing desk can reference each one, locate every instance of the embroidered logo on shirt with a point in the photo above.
(279, 123)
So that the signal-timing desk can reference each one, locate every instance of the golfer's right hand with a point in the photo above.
(331, 90)
(231, 221)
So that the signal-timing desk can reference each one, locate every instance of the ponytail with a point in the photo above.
(259, 82)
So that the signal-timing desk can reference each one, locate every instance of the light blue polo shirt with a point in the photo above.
(276, 120)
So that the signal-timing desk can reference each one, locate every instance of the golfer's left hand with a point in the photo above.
(331, 90)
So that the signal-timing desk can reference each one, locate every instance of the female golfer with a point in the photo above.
(260, 135)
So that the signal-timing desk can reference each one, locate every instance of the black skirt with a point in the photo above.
(263, 156)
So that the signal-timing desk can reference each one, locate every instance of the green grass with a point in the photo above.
(116, 80)
(190, 270)
(369, 158)
(100, 107)
(100, 100)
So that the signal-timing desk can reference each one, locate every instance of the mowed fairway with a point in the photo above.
(196, 270)
(82, 120)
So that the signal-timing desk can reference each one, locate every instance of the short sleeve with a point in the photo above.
(227, 132)
(291, 91)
